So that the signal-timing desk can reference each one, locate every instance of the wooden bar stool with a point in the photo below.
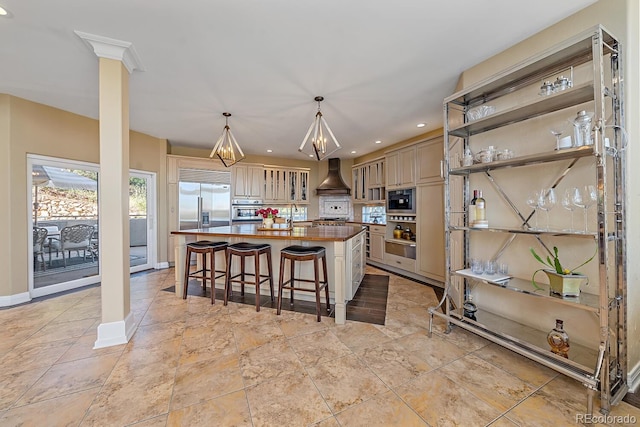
(204, 247)
(304, 253)
(244, 250)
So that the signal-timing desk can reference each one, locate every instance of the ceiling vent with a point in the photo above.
(333, 183)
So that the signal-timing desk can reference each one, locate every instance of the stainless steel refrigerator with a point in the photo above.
(204, 204)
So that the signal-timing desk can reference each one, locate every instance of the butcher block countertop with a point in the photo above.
(333, 233)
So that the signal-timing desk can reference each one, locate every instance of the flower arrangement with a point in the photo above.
(268, 212)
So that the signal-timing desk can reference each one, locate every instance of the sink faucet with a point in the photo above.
(291, 210)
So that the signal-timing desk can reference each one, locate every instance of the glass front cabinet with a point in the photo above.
(544, 142)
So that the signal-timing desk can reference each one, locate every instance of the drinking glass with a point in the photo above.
(585, 198)
(567, 203)
(477, 266)
(491, 267)
(557, 133)
(547, 200)
(533, 201)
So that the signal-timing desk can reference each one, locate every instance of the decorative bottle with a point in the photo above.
(481, 212)
(472, 209)
(559, 340)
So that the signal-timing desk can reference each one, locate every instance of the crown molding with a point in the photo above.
(105, 47)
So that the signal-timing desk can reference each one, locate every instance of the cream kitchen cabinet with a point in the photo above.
(376, 243)
(248, 181)
(429, 156)
(430, 231)
(276, 182)
(298, 184)
(401, 168)
(368, 181)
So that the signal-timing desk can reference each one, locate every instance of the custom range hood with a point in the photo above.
(333, 183)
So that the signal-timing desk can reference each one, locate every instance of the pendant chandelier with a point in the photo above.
(227, 148)
(323, 143)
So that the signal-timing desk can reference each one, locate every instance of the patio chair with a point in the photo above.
(74, 238)
(39, 237)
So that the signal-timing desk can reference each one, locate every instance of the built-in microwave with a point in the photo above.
(401, 201)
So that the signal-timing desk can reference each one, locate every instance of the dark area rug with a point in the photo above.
(369, 305)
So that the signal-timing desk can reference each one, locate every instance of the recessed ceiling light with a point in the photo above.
(269, 151)
(421, 125)
(353, 152)
(310, 155)
(378, 142)
(3, 11)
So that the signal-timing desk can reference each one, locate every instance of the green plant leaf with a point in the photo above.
(533, 282)
(592, 257)
(536, 256)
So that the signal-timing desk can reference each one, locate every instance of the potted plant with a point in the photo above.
(563, 281)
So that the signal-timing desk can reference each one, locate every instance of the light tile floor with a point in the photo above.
(194, 364)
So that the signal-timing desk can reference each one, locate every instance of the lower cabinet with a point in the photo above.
(376, 243)
(430, 231)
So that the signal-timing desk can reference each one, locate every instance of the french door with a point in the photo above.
(64, 237)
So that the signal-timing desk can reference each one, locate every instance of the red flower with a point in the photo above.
(267, 213)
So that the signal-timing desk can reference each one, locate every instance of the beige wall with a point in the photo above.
(621, 17)
(38, 129)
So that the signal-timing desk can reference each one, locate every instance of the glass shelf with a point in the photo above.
(545, 157)
(581, 358)
(532, 232)
(585, 301)
(544, 105)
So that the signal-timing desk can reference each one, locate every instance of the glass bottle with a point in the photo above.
(582, 129)
(481, 212)
(472, 209)
(559, 340)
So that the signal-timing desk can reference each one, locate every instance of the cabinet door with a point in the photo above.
(255, 182)
(376, 242)
(359, 184)
(239, 181)
(428, 161)
(391, 160)
(406, 167)
(302, 194)
(275, 185)
(430, 234)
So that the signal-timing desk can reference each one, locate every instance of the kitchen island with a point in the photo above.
(344, 250)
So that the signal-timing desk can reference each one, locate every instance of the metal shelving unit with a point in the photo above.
(601, 367)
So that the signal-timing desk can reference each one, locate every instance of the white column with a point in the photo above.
(116, 60)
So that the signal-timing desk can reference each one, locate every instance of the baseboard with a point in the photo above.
(9, 300)
(633, 379)
(162, 265)
(115, 333)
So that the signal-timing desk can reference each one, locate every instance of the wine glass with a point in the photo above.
(585, 198)
(547, 200)
(557, 133)
(567, 203)
(533, 200)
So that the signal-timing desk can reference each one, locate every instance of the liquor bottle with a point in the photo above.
(559, 340)
(472, 209)
(481, 212)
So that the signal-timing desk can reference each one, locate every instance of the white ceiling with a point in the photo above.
(382, 66)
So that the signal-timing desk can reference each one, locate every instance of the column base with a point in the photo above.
(115, 333)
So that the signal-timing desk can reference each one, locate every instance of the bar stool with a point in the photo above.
(203, 247)
(304, 253)
(244, 250)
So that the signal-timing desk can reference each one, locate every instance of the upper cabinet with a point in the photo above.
(298, 182)
(401, 168)
(368, 181)
(248, 181)
(276, 185)
(429, 156)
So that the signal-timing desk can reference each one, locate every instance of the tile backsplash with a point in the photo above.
(336, 207)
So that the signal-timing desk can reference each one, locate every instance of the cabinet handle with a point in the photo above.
(442, 169)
